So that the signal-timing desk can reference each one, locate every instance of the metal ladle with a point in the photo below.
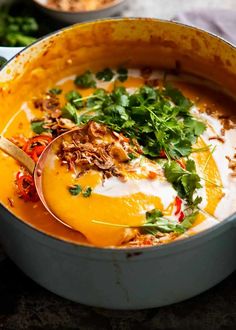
(35, 169)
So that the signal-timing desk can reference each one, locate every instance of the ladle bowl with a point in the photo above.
(35, 169)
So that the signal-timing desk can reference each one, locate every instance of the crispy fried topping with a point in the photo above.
(49, 102)
(219, 138)
(93, 147)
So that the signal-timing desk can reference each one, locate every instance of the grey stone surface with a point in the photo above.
(167, 9)
(25, 305)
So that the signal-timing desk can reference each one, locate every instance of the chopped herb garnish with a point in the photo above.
(132, 156)
(150, 117)
(85, 80)
(177, 97)
(155, 222)
(55, 91)
(185, 181)
(160, 120)
(122, 74)
(75, 190)
(75, 99)
(69, 111)
(87, 192)
(105, 75)
(38, 127)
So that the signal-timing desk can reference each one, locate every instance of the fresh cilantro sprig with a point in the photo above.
(55, 91)
(184, 181)
(76, 190)
(106, 75)
(75, 99)
(38, 127)
(156, 222)
(85, 80)
(87, 192)
(122, 74)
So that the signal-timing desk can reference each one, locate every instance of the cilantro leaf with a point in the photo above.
(189, 220)
(122, 74)
(155, 222)
(87, 192)
(69, 111)
(38, 127)
(153, 215)
(132, 156)
(105, 75)
(185, 182)
(75, 99)
(75, 190)
(178, 98)
(197, 127)
(99, 99)
(120, 96)
(55, 91)
(85, 80)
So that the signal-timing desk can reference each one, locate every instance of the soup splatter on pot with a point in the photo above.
(152, 158)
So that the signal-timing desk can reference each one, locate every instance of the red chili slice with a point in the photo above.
(152, 175)
(162, 154)
(181, 216)
(181, 164)
(147, 242)
(178, 204)
(36, 152)
(26, 187)
(36, 145)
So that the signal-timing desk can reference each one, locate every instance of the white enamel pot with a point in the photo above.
(124, 278)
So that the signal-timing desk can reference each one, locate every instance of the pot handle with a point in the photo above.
(9, 52)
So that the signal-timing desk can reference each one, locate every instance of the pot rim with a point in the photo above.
(214, 230)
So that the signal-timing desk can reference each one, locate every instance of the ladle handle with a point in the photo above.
(15, 152)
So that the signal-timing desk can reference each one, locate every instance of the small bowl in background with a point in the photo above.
(79, 16)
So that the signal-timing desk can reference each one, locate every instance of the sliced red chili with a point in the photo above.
(181, 216)
(181, 163)
(36, 152)
(152, 175)
(36, 145)
(178, 204)
(162, 154)
(147, 242)
(26, 187)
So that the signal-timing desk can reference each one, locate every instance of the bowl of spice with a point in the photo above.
(73, 11)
